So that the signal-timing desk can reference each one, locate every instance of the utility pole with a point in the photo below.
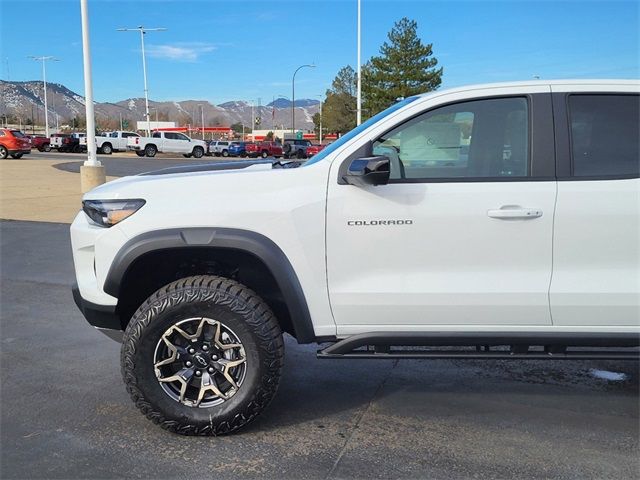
(143, 31)
(44, 59)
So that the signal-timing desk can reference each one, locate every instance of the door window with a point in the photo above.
(605, 135)
(477, 139)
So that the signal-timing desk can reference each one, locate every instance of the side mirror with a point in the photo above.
(368, 171)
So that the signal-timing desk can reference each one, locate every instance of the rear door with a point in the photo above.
(462, 234)
(596, 263)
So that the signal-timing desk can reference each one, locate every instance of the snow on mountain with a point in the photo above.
(23, 98)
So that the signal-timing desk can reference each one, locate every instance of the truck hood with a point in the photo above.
(124, 186)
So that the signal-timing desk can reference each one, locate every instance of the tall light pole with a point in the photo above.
(293, 96)
(44, 59)
(202, 117)
(92, 172)
(359, 87)
(320, 135)
(143, 31)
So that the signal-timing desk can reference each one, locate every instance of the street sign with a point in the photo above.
(299, 135)
(258, 120)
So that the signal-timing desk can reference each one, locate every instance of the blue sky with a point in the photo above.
(241, 50)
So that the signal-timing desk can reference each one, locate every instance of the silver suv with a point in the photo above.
(219, 148)
(295, 148)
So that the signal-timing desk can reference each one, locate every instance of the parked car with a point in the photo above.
(64, 142)
(390, 243)
(167, 142)
(314, 149)
(295, 148)
(238, 149)
(40, 142)
(14, 143)
(219, 148)
(117, 141)
(264, 149)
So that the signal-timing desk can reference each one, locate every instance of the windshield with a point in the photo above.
(329, 149)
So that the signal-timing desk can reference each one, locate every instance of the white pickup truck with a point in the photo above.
(114, 141)
(167, 142)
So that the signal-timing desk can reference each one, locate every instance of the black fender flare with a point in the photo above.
(251, 242)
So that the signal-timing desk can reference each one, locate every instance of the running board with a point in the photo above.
(487, 346)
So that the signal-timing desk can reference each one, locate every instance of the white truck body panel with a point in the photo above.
(456, 269)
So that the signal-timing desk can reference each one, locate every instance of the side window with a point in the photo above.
(476, 139)
(156, 135)
(605, 135)
(179, 136)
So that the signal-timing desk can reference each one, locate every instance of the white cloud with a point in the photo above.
(180, 52)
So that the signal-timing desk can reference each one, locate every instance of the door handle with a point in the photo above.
(508, 212)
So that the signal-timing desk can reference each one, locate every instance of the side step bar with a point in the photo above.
(554, 346)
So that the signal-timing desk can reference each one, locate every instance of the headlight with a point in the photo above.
(107, 213)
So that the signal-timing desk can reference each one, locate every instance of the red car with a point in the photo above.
(313, 149)
(264, 149)
(14, 143)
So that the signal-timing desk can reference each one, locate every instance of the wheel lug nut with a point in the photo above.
(198, 373)
(214, 357)
(189, 364)
(205, 348)
(192, 350)
(210, 369)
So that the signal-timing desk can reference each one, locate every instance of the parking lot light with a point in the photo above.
(293, 96)
(44, 59)
(143, 31)
(92, 172)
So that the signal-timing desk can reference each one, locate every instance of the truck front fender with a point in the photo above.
(221, 238)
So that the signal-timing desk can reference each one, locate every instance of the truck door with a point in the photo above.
(596, 263)
(462, 234)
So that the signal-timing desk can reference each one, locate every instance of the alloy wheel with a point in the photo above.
(200, 362)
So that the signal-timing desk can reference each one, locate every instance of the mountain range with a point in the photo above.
(25, 100)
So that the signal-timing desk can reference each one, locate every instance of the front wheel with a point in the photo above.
(265, 154)
(198, 152)
(47, 148)
(225, 153)
(3, 152)
(202, 356)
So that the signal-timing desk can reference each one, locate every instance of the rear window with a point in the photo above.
(605, 135)
(17, 134)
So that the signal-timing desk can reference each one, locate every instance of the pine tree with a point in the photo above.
(405, 67)
(339, 108)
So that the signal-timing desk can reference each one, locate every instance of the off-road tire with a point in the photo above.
(150, 151)
(238, 308)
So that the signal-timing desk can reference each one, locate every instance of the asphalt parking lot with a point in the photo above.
(123, 164)
(66, 414)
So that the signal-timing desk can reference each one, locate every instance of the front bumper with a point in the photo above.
(102, 317)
